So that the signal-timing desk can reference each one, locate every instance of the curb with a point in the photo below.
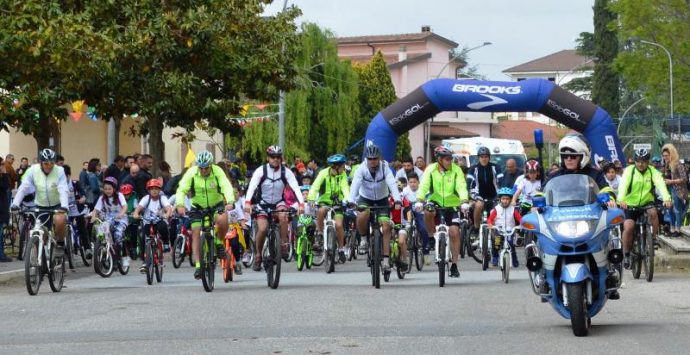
(665, 262)
(7, 276)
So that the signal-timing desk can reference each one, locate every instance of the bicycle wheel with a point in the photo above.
(412, 247)
(398, 267)
(56, 274)
(442, 259)
(351, 245)
(648, 243)
(301, 252)
(159, 262)
(331, 249)
(32, 266)
(505, 271)
(486, 251)
(636, 262)
(178, 253)
(274, 258)
(23, 238)
(251, 249)
(148, 261)
(69, 247)
(376, 258)
(225, 263)
(319, 253)
(103, 263)
(473, 244)
(208, 266)
(463, 244)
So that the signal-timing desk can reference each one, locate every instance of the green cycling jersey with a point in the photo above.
(447, 188)
(326, 186)
(207, 191)
(636, 188)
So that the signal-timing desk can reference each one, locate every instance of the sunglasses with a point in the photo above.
(204, 168)
(373, 158)
(275, 156)
(570, 156)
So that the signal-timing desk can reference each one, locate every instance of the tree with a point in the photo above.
(646, 67)
(605, 84)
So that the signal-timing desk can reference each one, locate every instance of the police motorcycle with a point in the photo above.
(574, 263)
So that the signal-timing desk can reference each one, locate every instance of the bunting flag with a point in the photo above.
(76, 109)
(190, 157)
(261, 107)
(91, 113)
(244, 110)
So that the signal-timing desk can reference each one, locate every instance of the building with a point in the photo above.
(413, 59)
(523, 131)
(560, 67)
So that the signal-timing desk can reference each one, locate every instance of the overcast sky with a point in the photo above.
(520, 30)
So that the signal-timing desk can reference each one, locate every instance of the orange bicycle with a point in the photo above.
(228, 263)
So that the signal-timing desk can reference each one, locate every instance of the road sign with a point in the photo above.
(647, 146)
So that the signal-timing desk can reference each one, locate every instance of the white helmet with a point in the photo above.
(576, 143)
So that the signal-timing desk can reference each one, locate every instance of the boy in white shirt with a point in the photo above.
(154, 205)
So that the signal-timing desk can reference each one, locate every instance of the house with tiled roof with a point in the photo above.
(560, 67)
(413, 59)
(523, 131)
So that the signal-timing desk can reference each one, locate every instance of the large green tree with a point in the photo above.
(605, 83)
(646, 67)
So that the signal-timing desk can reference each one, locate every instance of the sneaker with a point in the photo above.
(257, 264)
(238, 269)
(626, 262)
(246, 258)
(427, 259)
(614, 295)
(516, 262)
(363, 244)
(166, 248)
(403, 266)
(5, 259)
(125, 262)
(197, 274)
(88, 254)
(386, 267)
(220, 252)
(341, 255)
(454, 270)
(59, 251)
(142, 269)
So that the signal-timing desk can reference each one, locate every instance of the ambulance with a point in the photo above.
(501, 150)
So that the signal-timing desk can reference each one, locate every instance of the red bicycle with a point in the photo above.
(153, 255)
(182, 248)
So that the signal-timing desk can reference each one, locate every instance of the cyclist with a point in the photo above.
(154, 205)
(330, 189)
(269, 188)
(485, 175)
(77, 210)
(372, 183)
(506, 216)
(132, 231)
(528, 186)
(113, 205)
(444, 185)
(636, 189)
(49, 184)
(210, 188)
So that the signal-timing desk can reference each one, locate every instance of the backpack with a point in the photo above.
(289, 196)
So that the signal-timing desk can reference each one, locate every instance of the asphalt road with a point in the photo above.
(315, 313)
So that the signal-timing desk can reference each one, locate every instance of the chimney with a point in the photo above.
(426, 29)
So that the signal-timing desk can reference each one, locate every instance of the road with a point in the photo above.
(315, 313)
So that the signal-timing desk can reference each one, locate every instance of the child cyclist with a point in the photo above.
(401, 221)
(77, 211)
(504, 216)
(113, 206)
(528, 187)
(156, 210)
(132, 231)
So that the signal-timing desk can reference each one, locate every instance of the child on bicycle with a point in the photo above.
(410, 194)
(504, 216)
(113, 206)
(528, 187)
(154, 205)
(401, 220)
(132, 230)
(237, 220)
(77, 210)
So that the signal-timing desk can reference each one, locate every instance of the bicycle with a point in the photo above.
(484, 246)
(394, 257)
(271, 253)
(505, 237)
(351, 235)
(75, 241)
(643, 245)
(40, 259)
(182, 247)
(249, 240)
(442, 245)
(229, 263)
(330, 240)
(415, 250)
(24, 233)
(153, 255)
(305, 253)
(105, 259)
(374, 254)
(208, 237)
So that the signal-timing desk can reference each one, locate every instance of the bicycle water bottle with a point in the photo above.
(484, 216)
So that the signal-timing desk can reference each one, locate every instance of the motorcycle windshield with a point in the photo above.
(571, 190)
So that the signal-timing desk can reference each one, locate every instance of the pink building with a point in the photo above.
(413, 59)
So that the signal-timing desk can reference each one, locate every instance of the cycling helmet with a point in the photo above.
(372, 151)
(274, 150)
(440, 152)
(154, 183)
(126, 189)
(505, 191)
(656, 159)
(110, 180)
(305, 188)
(576, 143)
(337, 159)
(204, 159)
(532, 165)
(643, 154)
(483, 151)
(46, 155)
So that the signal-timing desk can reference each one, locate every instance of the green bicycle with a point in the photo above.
(305, 251)
(395, 259)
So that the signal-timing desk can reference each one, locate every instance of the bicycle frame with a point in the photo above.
(39, 229)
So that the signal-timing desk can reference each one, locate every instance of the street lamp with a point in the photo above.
(281, 107)
(573, 68)
(618, 129)
(427, 153)
(670, 76)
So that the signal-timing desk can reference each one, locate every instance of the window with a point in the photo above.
(552, 79)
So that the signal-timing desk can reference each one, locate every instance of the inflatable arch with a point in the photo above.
(533, 95)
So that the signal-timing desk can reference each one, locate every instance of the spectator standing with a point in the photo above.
(23, 166)
(508, 177)
(91, 183)
(676, 179)
(407, 169)
(165, 173)
(116, 169)
(420, 163)
(4, 207)
(12, 175)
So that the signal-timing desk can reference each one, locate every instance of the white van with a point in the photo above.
(501, 149)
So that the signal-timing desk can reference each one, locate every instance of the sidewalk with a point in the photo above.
(674, 254)
(9, 271)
